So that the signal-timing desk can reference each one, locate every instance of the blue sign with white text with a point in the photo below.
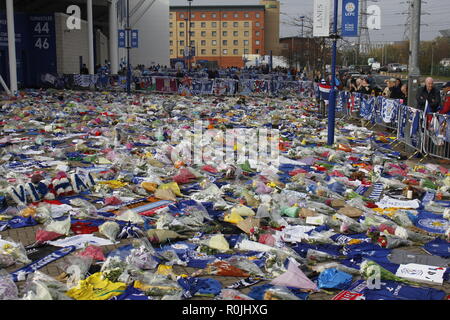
(122, 38)
(134, 38)
(350, 15)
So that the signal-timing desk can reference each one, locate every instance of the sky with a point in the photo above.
(435, 16)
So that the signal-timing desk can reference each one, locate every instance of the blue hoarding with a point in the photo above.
(350, 16)
(35, 47)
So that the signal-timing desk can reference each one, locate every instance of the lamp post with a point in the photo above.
(189, 38)
(332, 103)
(186, 21)
(128, 49)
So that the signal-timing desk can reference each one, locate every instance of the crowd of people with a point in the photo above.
(365, 84)
(438, 102)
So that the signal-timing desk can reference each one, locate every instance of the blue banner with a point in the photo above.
(134, 38)
(122, 37)
(350, 15)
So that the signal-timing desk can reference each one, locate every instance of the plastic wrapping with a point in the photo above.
(8, 288)
(110, 230)
(40, 286)
(13, 250)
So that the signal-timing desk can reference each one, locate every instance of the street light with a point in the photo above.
(189, 43)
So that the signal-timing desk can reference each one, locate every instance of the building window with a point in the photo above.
(225, 51)
(203, 51)
(257, 33)
(235, 33)
(257, 51)
(181, 33)
(214, 15)
(170, 24)
(192, 15)
(214, 51)
(246, 15)
(171, 52)
(192, 43)
(214, 42)
(224, 33)
(235, 52)
(192, 33)
(171, 42)
(246, 33)
(257, 15)
(214, 24)
(245, 51)
(257, 24)
(203, 42)
(203, 33)
(225, 15)
(192, 24)
(182, 43)
(181, 15)
(171, 33)
(203, 25)
(171, 15)
(224, 42)
(203, 15)
(182, 52)
(235, 24)
(245, 42)
(224, 24)
(214, 33)
(181, 24)
(246, 24)
(235, 42)
(236, 15)
(257, 42)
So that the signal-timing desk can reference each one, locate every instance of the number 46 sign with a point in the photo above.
(41, 32)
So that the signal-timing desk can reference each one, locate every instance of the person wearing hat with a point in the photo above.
(446, 96)
(390, 88)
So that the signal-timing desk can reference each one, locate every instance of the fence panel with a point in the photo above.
(436, 139)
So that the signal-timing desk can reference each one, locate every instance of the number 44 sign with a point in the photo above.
(421, 273)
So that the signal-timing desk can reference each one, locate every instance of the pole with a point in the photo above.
(432, 58)
(189, 43)
(303, 22)
(11, 46)
(113, 46)
(186, 21)
(128, 49)
(332, 102)
(90, 37)
(414, 71)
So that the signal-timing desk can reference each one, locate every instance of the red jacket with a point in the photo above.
(446, 105)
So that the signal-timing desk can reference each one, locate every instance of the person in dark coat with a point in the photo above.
(431, 94)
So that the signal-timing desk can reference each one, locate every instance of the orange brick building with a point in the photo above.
(225, 34)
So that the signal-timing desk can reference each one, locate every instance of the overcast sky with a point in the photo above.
(435, 16)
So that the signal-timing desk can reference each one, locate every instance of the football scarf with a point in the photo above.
(20, 274)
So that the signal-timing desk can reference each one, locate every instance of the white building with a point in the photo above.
(151, 19)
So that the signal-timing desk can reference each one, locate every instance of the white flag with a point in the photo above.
(322, 12)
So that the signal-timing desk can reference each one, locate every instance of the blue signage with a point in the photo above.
(122, 38)
(350, 16)
(35, 47)
(134, 38)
